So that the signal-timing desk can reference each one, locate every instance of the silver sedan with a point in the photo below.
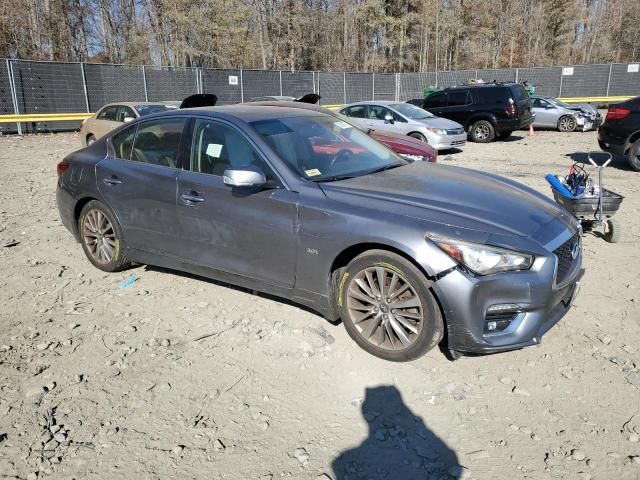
(552, 113)
(407, 119)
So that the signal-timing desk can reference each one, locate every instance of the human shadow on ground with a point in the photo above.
(399, 444)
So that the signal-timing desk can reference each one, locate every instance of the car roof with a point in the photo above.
(374, 102)
(133, 104)
(483, 85)
(247, 112)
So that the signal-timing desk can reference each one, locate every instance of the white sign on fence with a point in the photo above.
(567, 71)
(633, 68)
(233, 80)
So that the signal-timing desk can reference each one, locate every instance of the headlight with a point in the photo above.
(483, 259)
(439, 131)
(414, 158)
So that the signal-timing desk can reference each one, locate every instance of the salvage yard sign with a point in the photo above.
(233, 80)
(633, 68)
(567, 71)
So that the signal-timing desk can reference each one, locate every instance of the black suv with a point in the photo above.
(487, 110)
(620, 132)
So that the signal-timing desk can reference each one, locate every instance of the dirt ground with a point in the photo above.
(104, 379)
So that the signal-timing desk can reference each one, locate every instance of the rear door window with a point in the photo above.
(158, 142)
(457, 98)
(122, 143)
(109, 113)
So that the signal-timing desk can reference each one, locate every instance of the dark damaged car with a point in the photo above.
(403, 252)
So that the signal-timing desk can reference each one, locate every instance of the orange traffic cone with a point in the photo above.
(531, 134)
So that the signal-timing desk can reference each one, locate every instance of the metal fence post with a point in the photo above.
(84, 85)
(396, 92)
(609, 79)
(14, 96)
(280, 71)
(344, 86)
(144, 81)
(517, 73)
(313, 79)
(241, 88)
(373, 87)
(560, 92)
(436, 78)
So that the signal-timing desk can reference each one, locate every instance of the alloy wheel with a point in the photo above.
(567, 124)
(385, 308)
(99, 236)
(481, 132)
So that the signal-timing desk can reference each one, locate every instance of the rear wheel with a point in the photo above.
(633, 156)
(90, 140)
(482, 132)
(418, 136)
(101, 237)
(387, 307)
(504, 135)
(567, 123)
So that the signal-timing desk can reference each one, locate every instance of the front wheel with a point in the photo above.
(482, 132)
(567, 123)
(101, 237)
(633, 156)
(387, 307)
(418, 136)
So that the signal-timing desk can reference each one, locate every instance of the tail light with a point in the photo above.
(511, 110)
(62, 166)
(617, 113)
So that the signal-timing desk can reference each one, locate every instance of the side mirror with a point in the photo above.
(388, 118)
(244, 177)
(128, 119)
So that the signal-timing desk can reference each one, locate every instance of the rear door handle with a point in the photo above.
(112, 180)
(191, 197)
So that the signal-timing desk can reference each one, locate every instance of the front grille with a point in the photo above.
(458, 143)
(565, 257)
(455, 131)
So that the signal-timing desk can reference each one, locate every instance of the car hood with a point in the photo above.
(457, 197)
(439, 122)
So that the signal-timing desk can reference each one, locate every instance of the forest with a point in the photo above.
(328, 35)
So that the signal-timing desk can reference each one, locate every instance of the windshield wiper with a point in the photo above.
(386, 167)
(335, 178)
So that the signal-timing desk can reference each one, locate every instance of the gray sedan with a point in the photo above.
(407, 119)
(303, 205)
(552, 113)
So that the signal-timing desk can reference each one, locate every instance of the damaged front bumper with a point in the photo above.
(505, 311)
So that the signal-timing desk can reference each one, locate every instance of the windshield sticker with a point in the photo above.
(342, 124)
(214, 149)
(314, 172)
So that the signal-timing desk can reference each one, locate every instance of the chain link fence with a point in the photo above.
(31, 87)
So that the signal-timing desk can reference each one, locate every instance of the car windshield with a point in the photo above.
(411, 111)
(324, 148)
(149, 109)
(559, 103)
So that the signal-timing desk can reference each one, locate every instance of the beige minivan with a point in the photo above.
(113, 115)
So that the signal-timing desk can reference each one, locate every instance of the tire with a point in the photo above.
(567, 123)
(90, 140)
(504, 135)
(101, 237)
(418, 136)
(482, 132)
(633, 156)
(394, 337)
(612, 232)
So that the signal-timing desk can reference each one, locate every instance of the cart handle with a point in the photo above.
(600, 153)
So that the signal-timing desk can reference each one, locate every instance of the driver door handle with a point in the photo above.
(112, 180)
(191, 197)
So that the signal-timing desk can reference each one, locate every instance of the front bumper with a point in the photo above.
(447, 142)
(465, 299)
